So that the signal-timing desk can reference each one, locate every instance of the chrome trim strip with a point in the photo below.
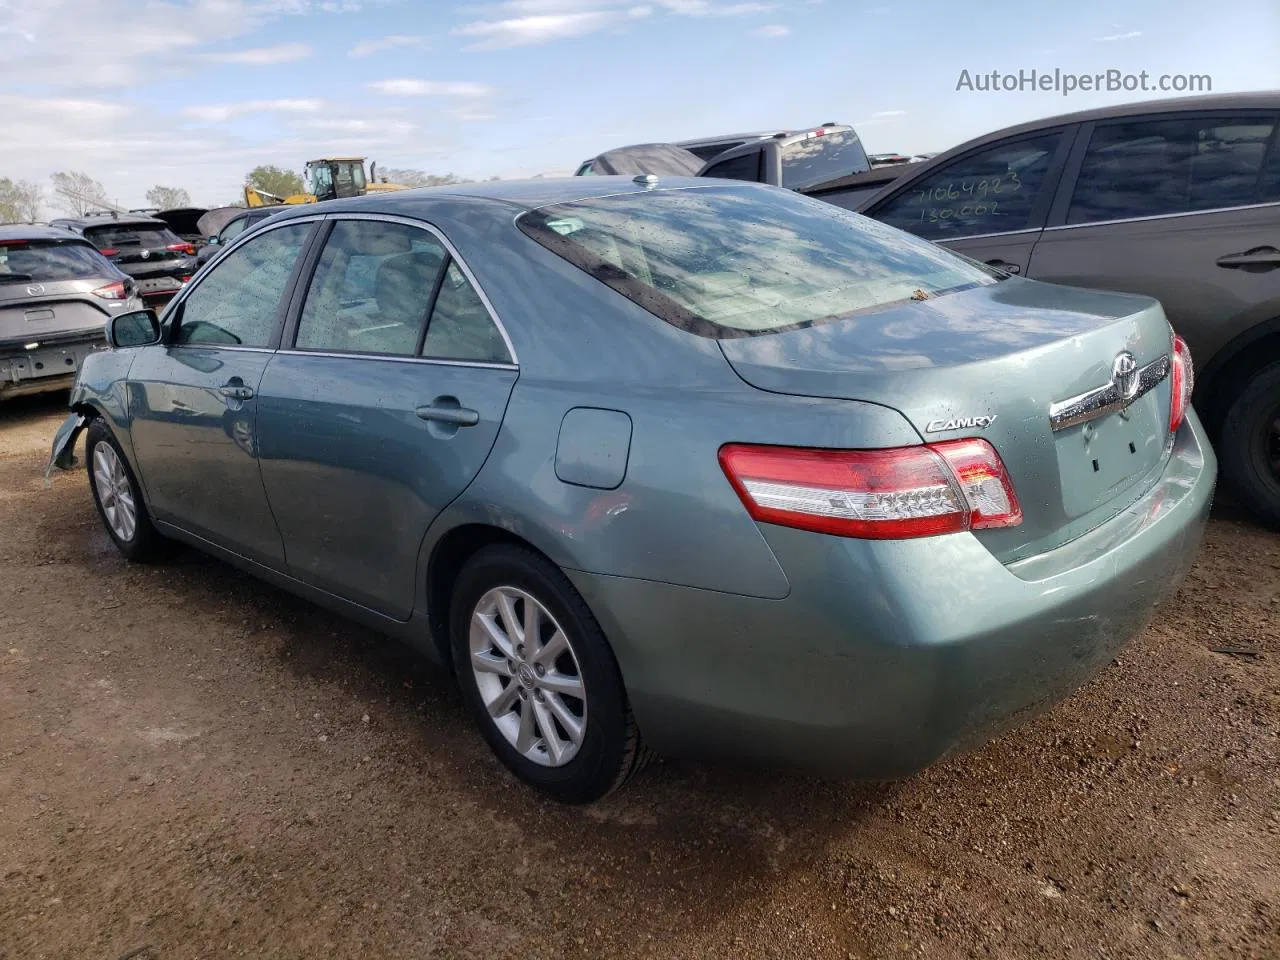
(1106, 399)
(1162, 216)
(453, 252)
(216, 346)
(397, 359)
(983, 236)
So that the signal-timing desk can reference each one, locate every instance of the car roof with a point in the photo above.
(520, 195)
(1259, 100)
(82, 223)
(36, 231)
(731, 138)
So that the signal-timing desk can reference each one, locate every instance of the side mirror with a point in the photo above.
(138, 329)
(212, 241)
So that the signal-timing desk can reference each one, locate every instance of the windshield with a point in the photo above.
(48, 261)
(131, 235)
(819, 159)
(738, 260)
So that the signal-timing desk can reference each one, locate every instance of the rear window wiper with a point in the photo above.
(15, 277)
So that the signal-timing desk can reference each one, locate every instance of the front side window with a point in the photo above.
(821, 159)
(745, 167)
(371, 290)
(992, 191)
(730, 260)
(233, 230)
(237, 303)
(1149, 168)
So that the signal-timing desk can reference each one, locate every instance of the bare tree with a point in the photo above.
(19, 200)
(79, 193)
(168, 198)
(418, 178)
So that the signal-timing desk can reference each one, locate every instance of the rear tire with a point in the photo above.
(1250, 445)
(118, 496)
(527, 706)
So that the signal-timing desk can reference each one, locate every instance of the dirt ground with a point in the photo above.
(193, 764)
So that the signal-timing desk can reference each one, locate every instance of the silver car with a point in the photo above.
(56, 294)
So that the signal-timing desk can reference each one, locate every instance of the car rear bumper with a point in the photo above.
(887, 655)
(50, 366)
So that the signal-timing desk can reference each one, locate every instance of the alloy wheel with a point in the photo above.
(528, 676)
(115, 493)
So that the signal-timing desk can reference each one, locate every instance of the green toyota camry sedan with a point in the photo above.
(680, 467)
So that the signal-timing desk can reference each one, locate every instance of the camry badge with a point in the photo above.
(960, 423)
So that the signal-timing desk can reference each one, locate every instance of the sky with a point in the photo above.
(195, 93)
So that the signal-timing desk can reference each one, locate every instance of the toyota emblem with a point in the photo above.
(1124, 374)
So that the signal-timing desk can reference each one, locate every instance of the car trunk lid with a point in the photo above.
(62, 309)
(990, 362)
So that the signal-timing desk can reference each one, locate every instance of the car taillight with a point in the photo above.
(188, 248)
(112, 291)
(887, 494)
(109, 251)
(1183, 382)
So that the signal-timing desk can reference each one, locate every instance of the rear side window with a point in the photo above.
(371, 289)
(1148, 168)
(745, 167)
(815, 160)
(37, 261)
(731, 261)
(994, 190)
(460, 327)
(130, 235)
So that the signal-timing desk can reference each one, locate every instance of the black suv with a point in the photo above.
(145, 248)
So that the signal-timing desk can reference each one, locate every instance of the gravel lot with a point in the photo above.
(193, 764)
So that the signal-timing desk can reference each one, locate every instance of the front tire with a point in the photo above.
(539, 678)
(118, 496)
(1250, 447)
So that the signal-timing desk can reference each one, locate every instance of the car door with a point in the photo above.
(193, 399)
(1174, 207)
(989, 203)
(381, 410)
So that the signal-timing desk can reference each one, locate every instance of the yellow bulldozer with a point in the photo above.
(329, 178)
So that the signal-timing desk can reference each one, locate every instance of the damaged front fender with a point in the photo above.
(62, 456)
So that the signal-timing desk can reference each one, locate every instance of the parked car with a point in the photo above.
(658, 159)
(237, 225)
(797, 161)
(704, 148)
(1174, 199)
(184, 222)
(853, 191)
(56, 295)
(698, 467)
(145, 248)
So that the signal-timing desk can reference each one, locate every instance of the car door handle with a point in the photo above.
(234, 391)
(1005, 265)
(1266, 257)
(455, 416)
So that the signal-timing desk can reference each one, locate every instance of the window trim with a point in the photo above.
(171, 320)
(1043, 205)
(1071, 173)
(288, 340)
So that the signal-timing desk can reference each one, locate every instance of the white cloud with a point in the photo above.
(222, 112)
(404, 87)
(264, 56)
(773, 31)
(541, 28)
(366, 48)
(704, 8)
(1111, 38)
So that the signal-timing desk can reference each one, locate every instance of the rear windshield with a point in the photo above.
(819, 159)
(48, 261)
(739, 260)
(131, 235)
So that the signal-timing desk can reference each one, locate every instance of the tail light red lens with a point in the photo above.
(1183, 381)
(109, 251)
(188, 248)
(888, 494)
(112, 291)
